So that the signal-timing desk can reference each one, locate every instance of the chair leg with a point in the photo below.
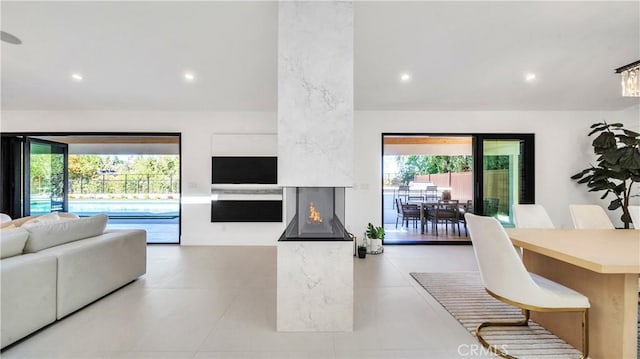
(494, 349)
(396, 222)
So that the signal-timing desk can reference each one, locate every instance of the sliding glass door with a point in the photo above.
(504, 174)
(45, 182)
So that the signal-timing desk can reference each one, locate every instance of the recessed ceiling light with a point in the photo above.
(529, 77)
(76, 77)
(189, 76)
(405, 77)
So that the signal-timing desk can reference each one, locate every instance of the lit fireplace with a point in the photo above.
(315, 213)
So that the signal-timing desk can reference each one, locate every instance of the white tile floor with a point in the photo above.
(220, 302)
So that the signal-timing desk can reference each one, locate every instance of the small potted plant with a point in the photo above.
(362, 251)
(375, 235)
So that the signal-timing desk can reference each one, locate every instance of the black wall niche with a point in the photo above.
(244, 170)
(229, 177)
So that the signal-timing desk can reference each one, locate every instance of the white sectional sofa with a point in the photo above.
(60, 268)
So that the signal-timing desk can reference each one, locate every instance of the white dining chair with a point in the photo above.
(589, 216)
(506, 279)
(634, 211)
(531, 216)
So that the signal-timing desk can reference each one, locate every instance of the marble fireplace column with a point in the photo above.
(315, 149)
(315, 94)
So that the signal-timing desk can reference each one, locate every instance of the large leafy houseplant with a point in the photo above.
(374, 232)
(618, 165)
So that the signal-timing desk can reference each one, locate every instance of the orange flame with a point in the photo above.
(314, 215)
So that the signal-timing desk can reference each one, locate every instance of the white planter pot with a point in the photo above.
(375, 245)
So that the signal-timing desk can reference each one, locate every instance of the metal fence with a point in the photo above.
(125, 183)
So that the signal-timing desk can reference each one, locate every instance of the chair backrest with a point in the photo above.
(589, 216)
(431, 192)
(634, 211)
(501, 268)
(399, 205)
(531, 216)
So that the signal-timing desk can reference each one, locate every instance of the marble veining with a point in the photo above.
(315, 286)
(315, 94)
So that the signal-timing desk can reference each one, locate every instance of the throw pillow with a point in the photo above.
(40, 220)
(4, 218)
(12, 241)
(60, 232)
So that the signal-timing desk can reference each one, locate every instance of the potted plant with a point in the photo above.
(375, 235)
(618, 165)
(362, 251)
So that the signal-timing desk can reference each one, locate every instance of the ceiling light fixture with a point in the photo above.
(77, 77)
(189, 76)
(529, 77)
(405, 77)
(9, 38)
(630, 79)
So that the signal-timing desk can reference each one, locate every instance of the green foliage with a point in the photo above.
(374, 232)
(85, 166)
(47, 173)
(413, 165)
(106, 173)
(499, 162)
(618, 165)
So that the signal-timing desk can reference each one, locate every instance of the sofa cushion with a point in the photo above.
(20, 221)
(43, 219)
(59, 232)
(12, 241)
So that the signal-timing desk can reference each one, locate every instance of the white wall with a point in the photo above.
(562, 149)
(197, 129)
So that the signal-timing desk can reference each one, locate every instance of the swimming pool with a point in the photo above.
(114, 207)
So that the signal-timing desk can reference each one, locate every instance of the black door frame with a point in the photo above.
(528, 190)
(11, 190)
(26, 180)
(130, 134)
(476, 150)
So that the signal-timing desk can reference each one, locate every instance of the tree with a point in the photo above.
(84, 166)
(618, 166)
(413, 165)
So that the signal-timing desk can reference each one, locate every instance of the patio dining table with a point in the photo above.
(425, 206)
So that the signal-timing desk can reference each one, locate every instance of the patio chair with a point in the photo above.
(531, 216)
(506, 279)
(491, 206)
(468, 208)
(446, 212)
(406, 212)
(589, 216)
(403, 191)
(431, 194)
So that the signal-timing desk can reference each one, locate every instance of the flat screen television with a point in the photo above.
(260, 170)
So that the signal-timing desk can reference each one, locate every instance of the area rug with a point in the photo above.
(463, 295)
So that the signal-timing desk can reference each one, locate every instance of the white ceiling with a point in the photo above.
(462, 55)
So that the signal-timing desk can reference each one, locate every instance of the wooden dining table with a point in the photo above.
(601, 264)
